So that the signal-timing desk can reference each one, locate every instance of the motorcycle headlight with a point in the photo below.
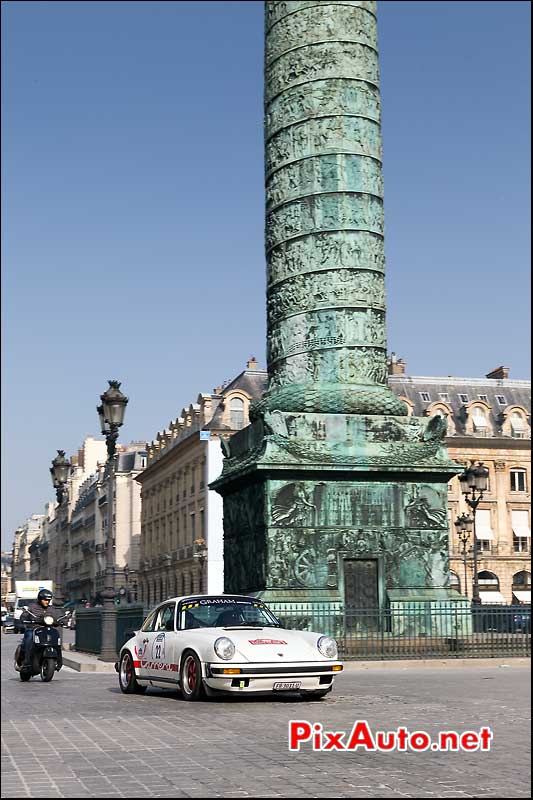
(327, 646)
(224, 648)
(48, 620)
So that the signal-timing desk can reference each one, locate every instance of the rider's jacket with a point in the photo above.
(38, 613)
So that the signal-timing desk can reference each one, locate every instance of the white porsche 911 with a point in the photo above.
(209, 644)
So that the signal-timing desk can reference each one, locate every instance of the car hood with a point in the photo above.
(271, 644)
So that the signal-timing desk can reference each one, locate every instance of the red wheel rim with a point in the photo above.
(191, 674)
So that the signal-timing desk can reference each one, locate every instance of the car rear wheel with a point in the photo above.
(191, 684)
(126, 676)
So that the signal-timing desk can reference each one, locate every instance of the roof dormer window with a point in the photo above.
(236, 413)
(518, 425)
(479, 418)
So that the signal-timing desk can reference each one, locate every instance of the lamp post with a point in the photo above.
(464, 525)
(60, 472)
(111, 413)
(474, 482)
(200, 553)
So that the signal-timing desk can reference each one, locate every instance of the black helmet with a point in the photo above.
(44, 594)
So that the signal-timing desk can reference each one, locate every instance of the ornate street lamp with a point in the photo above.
(474, 482)
(464, 526)
(60, 472)
(200, 553)
(111, 414)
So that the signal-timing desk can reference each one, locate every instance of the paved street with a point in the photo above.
(80, 737)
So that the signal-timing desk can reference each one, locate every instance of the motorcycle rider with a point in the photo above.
(35, 616)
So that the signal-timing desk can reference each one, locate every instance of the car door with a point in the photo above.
(143, 645)
(162, 668)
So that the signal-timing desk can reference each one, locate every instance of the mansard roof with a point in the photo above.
(500, 395)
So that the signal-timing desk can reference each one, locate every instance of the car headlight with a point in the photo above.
(224, 648)
(48, 620)
(327, 646)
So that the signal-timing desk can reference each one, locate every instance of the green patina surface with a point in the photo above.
(332, 470)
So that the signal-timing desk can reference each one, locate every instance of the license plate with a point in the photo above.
(283, 686)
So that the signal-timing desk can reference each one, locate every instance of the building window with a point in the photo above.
(522, 580)
(463, 398)
(193, 526)
(501, 399)
(445, 397)
(483, 397)
(518, 425)
(425, 397)
(483, 546)
(518, 480)
(484, 532)
(480, 421)
(236, 413)
(520, 544)
(521, 532)
(488, 581)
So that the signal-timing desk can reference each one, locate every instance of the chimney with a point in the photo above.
(498, 374)
(251, 363)
(396, 365)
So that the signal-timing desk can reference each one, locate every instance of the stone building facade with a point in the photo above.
(21, 555)
(6, 575)
(488, 420)
(181, 529)
(52, 552)
(89, 524)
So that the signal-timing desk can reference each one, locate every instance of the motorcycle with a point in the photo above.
(47, 657)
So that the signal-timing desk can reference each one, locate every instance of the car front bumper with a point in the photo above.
(311, 676)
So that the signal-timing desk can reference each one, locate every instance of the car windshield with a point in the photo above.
(226, 613)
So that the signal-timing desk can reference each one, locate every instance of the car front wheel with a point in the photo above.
(126, 676)
(191, 684)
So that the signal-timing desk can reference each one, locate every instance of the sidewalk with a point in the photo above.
(86, 662)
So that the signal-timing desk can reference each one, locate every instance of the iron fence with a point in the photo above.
(410, 631)
(89, 626)
(129, 618)
(425, 631)
(88, 630)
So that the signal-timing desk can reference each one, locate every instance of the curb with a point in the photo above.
(83, 662)
(438, 663)
(87, 664)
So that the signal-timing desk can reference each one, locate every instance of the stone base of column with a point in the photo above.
(335, 510)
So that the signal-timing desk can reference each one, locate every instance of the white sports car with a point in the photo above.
(207, 644)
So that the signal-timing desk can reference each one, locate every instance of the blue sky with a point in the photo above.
(133, 207)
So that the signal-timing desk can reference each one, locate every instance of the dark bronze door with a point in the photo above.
(361, 596)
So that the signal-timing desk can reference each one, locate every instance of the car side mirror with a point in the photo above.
(25, 608)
